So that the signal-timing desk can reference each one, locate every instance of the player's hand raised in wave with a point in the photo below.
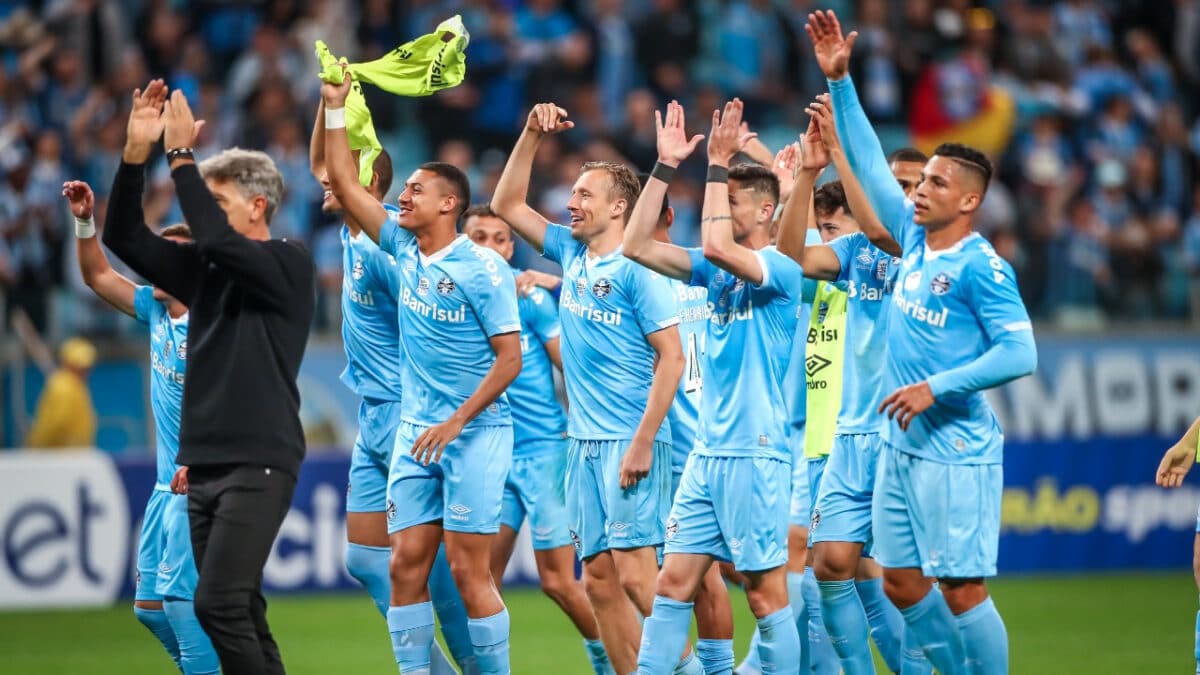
(146, 121)
(1175, 465)
(831, 49)
(548, 118)
(635, 465)
(784, 167)
(79, 196)
(907, 402)
(674, 146)
(727, 137)
(820, 116)
(335, 94)
(433, 441)
(182, 128)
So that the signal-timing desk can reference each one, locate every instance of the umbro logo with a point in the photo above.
(815, 363)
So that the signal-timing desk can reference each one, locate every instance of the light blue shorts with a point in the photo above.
(941, 518)
(816, 471)
(464, 490)
(536, 488)
(734, 509)
(843, 502)
(603, 516)
(801, 508)
(372, 456)
(166, 567)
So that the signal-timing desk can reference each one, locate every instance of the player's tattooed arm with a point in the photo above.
(639, 244)
(512, 191)
(97, 273)
(357, 202)
(1178, 460)
(716, 226)
(668, 368)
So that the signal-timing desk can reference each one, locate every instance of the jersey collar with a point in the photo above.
(438, 256)
(934, 255)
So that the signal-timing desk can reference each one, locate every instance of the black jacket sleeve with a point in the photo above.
(270, 271)
(176, 268)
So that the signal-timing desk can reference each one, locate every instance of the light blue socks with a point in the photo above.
(985, 640)
(156, 620)
(821, 658)
(887, 626)
(934, 628)
(598, 657)
(690, 665)
(369, 565)
(489, 636)
(716, 656)
(846, 622)
(411, 628)
(779, 644)
(452, 614)
(196, 653)
(664, 634)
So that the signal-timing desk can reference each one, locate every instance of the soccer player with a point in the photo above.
(460, 339)
(251, 300)
(374, 365)
(957, 327)
(166, 569)
(733, 500)
(622, 361)
(1175, 464)
(534, 487)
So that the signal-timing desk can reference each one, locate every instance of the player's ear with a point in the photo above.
(258, 208)
(618, 208)
(669, 218)
(970, 202)
(766, 211)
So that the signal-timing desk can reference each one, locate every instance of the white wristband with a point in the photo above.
(335, 118)
(85, 228)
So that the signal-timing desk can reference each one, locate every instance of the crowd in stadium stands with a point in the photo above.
(1089, 107)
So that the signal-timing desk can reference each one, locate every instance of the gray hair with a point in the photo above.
(252, 171)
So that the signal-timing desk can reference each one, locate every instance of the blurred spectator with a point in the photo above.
(65, 416)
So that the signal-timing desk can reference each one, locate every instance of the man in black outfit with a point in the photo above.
(251, 301)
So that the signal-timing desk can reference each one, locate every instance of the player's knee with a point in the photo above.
(901, 590)
(797, 542)
(601, 586)
(830, 566)
(557, 586)
(404, 572)
(670, 584)
(963, 594)
(150, 617)
(766, 600)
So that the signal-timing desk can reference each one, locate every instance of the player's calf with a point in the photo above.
(779, 641)
(616, 615)
(637, 570)
(984, 637)
(151, 615)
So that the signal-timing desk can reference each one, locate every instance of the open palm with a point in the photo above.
(831, 49)
(146, 122)
(674, 146)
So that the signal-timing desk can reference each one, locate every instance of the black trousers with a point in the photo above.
(235, 512)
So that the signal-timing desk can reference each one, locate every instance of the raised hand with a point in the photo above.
(182, 128)
(727, 137)
(673, 143)
(335, 94)
(814, 152)
(831, 49)
(821, 112)
(784, 167)
(145, 124)
(79, 196)
(548, 118)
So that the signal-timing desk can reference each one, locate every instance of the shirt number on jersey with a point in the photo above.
(693, 379)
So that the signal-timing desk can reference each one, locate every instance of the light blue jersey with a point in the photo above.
(746, 353)
(692, 305)
(539, 425)
(370, 331)
(609, 304)
(168, 361)
(868, 273)
(452, 303)
(795, 388)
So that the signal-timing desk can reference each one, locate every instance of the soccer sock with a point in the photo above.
(779, 644)
(451, 613)
(912, 659)
(821, 655)
(1197, 646)
(196, 653)
(751, 665)
(847, 625)
(489, 636)
(369, 564)
(156, 621)
(664, 634)
(690, 665)
(933, 628)
(440, 665)
(716, 656)
(795, 589)
(886, 623)
(598, 657)
(411, 627)
(985, 640)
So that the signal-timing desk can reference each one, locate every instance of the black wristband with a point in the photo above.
(662, 172)
(179, 152)
(717, 174)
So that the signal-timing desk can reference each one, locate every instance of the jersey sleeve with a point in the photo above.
(541, 313)
(495, 301)
(995, 296)
(555, 242)
(702, 269)
(781, 276)
(385, 274)
(653, 300)
(392, 238)
(143, 303)
(844, 247)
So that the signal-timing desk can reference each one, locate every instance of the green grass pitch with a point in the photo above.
(1119, 623)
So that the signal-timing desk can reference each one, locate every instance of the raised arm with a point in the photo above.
(357, 202)
(716, 223)
(639, 244)
(818, 262)
(863, 150)
(316, 143)
(512, 191)
(668, 368)
(174, 267)
(107, 283)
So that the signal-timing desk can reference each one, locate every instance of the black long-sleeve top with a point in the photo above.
(251, 306)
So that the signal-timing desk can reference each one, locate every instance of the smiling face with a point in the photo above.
(946, 192)
(491, 232)
(426, 198)
(592, 206)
